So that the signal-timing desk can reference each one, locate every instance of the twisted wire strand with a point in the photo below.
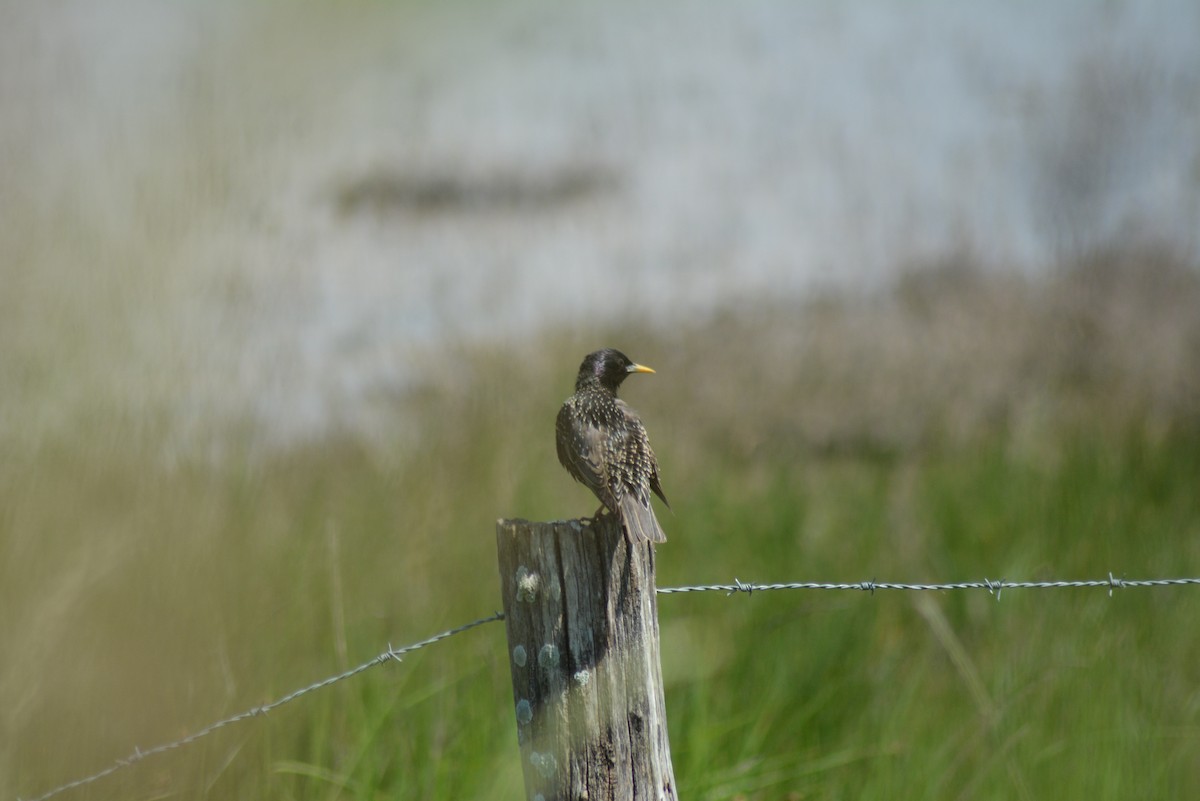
(391, 654)
(993, 586)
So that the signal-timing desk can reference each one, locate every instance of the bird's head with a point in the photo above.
(609, 367)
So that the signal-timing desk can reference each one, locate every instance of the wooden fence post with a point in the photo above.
(582, 621)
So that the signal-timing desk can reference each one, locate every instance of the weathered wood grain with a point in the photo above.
(582, 622)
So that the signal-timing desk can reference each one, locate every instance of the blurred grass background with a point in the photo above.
(957, 426)
(288, 303)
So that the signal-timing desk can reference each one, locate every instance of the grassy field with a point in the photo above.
(959, 426)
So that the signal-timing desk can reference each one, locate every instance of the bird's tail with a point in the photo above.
(639, 519)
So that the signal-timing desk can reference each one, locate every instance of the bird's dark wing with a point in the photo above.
(654, 482)
(581, 452)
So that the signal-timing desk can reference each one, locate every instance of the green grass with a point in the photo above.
(956, 431)
(860, 696)
(142, 602)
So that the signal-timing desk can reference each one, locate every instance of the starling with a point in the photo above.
(603, 444)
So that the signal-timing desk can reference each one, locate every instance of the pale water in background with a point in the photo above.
(220, 212)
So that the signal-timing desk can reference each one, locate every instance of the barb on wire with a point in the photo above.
(994, 587)
(396, 654)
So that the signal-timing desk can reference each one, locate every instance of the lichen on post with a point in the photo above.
(581, 617)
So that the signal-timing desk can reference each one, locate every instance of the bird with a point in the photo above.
(603, 445)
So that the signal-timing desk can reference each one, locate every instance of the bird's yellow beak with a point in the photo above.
(639, 368)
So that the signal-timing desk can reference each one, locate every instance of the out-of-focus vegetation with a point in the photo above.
(185, 223)
(958, 426)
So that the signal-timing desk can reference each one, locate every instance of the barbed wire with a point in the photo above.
(391, 654)
(994, 587)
